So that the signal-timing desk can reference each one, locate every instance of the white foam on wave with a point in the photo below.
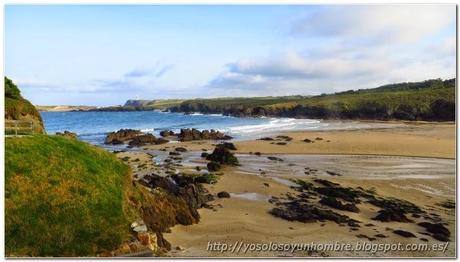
(148, 130)
(275, 125)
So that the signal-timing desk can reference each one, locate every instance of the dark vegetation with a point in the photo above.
(431, 100)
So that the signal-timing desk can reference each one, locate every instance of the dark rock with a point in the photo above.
(333, 202)
(306, 140)
(257, 154)
(145, 139)
(318, 138)
(181, 149)
(438, 231)
(381, 236)
(274, 158)
(281, 143)
(229, 145)
(174, 153)
(222, 155)
(121, 136)
(333, 173)
(306, 213)
(204, 154)
(194, 134)
(286, 138)
(395, 204)
(166, 133)
(347, 194)
(388, 215)
(403, 233)
(223, 194)
(213, 166)
(449, 204)
(266, 139)
(160, 141)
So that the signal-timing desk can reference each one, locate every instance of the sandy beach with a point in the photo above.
(413, 163)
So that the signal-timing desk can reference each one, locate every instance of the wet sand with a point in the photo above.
(419, 168)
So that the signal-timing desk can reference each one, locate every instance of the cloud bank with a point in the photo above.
(350, 47)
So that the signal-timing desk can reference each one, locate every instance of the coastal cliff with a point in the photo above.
(431, 100)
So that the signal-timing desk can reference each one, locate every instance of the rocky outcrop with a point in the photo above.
(195, 134)
(166, 133)
(147, 139)
(223, 156)
(133, 137)
(177, 204)
(122, 135)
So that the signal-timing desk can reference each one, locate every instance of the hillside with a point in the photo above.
(18, 108)
(431, 100)
(63, 197)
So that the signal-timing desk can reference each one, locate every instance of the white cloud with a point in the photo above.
(351, 47)
(377, 23)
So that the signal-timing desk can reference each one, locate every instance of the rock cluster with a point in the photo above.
(221, 156)
(120, 136)
(133, 137)
(195, 134)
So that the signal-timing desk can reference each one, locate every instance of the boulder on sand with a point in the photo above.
(222, 155)
(223, 194)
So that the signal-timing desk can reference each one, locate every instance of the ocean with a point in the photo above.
(94, 126)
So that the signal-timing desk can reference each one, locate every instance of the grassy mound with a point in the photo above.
(18, 108)
(63, 197)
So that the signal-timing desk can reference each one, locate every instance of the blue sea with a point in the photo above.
(94, 126)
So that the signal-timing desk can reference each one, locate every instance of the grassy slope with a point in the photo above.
(63, 197)
(18, 108)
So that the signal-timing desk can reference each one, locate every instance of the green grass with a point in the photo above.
(18, 108)
(63, 197)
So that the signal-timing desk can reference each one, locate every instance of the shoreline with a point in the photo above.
(425, 179)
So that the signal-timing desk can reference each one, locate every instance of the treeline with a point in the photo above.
(431, 100)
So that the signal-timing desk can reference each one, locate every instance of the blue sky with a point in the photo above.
(104, 55)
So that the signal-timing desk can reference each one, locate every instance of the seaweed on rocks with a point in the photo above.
(437, 230)
(223, 156)
(333, 202)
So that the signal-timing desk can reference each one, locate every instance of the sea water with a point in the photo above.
(94, 126)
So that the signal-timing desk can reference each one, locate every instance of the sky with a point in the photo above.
(105, 54)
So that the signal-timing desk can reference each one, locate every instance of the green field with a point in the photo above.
(63, 197)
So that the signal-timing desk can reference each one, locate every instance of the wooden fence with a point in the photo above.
(19, 127)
